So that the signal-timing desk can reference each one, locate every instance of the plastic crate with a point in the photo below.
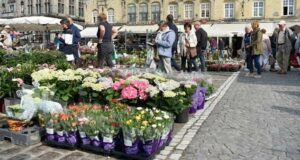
(28, 136)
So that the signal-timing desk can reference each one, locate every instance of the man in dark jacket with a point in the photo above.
(67, 45)
(173, 27)
(202, 43)
(76, 38)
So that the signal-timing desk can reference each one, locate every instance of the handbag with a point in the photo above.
(294, 61)
(192, 52)
(272, 60)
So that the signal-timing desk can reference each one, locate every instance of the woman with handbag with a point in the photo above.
(190, 44)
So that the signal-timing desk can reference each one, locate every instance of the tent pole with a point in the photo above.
(125, 40)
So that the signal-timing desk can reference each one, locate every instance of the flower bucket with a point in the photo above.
(131, 147)
(15, 125)
(96, 141)
(71, 138)
(50, 134)
(183, 116)
(60, 136)
(108, 143)
(150, 146)
(84, 139)
(201, 98)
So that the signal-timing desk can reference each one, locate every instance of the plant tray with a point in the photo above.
(26, 137)
(60, 145)
(93, 149)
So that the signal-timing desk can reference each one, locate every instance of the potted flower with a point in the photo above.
(14, 121)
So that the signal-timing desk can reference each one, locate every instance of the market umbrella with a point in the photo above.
(296, 28)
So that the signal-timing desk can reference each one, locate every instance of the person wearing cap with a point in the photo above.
(201, 43)
(257, 48)
(7, 43)
(284, 47)
(164, 42)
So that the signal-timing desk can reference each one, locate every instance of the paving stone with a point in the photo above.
(175, 156)
(165, 152)
(168, 148)
(74, 155)
(255, 119)
(160, 157)
(20, 157)
(10, 151)
(49, 155)
(38, 149)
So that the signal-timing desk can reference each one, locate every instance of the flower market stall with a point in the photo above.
(123, 112)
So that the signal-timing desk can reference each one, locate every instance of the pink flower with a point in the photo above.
(129, 93)
(143, 95)
(141, 85)
(52, 67)
(45, 65)
(116, 86)
(10, 69)
(106, 107)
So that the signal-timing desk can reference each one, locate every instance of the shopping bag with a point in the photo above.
(294, 61)
(70, 57)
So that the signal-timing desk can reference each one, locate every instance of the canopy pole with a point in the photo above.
(125, 40)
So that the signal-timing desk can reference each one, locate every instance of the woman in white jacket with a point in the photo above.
(187, 48)
(267, 50)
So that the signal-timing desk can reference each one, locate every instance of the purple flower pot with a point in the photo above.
(133, 149)
(50, 137)
(150, 147)
(97, 142)
(108, 144)
(86, 141)
(71, 138)
(60, 138)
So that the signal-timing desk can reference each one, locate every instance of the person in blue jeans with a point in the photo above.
(257, 48)
(201, 35)
(248, 51)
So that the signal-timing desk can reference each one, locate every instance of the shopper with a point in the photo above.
(267, 50)
(7, 39)
(67, 45)
(164, 42)
(221, 47)
(257, 48)
(76, 39)
(201, 44)
(248, 50)
(173, 27)
(106, 33)
(284, 47)
(273, 46)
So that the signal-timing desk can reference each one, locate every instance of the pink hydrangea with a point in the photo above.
(117, 85)
(141, 85)
(129, 92)
(143, 95)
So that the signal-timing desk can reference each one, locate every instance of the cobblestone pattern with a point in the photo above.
(256, 119)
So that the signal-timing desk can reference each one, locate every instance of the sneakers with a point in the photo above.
(257, 76)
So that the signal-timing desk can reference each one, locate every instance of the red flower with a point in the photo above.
(115, 124)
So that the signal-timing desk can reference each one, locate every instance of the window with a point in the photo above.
(131, 13)
(12, 8)
(111, 15)
(81, 9)
(38, 6)
(205, 10)
(143, 12)
(173, 10)
(288, 7)
(47, 6)
(258, 8)
(95, 17)
(155, 8)
(61, 6)
(30, 7)
(188, 10)
(229, 10)
(72, 7)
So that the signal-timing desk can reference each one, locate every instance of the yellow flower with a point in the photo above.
(143, 112)
(145, 123)
(138, 117)
(129, 122)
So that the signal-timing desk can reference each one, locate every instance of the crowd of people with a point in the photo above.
(8, 38)
(262, 50)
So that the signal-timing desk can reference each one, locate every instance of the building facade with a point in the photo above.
(137, 12)
(52, 8)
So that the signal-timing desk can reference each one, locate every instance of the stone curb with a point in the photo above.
(183, 138)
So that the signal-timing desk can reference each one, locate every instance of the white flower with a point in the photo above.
(169, 94)
(140, 108)
(188, 86)
(181, 93)
(153, 91)
(158, 118)
(166, 116)
(168, 86)
(154, 125)
(90, 79)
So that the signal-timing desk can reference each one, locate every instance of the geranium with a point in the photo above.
(129, 93)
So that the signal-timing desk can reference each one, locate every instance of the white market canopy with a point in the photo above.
(34, 23)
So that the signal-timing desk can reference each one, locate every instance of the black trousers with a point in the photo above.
(105, 53)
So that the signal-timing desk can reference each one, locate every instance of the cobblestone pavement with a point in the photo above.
(9, 151)
(256, 119)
